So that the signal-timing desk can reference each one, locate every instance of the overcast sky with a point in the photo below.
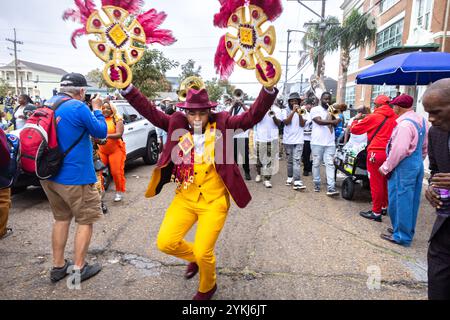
(46, 36)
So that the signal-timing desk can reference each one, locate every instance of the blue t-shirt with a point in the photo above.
(73, 118)
(339, 129)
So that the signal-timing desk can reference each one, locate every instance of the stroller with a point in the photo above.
(351, 162)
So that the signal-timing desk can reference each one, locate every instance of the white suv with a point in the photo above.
(139, 135)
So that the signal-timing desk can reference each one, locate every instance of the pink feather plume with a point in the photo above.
(226, 10)
(77, 33)
(84, 8)
(223, 63)
(272, 8)
(150, 21)
(132, 6)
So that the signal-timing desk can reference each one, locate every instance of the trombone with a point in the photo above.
(335, 110)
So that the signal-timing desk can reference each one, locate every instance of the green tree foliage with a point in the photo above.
(358, 31)
(96, 76)
(188, 70)
(4, 87)
(149, 73)
(216, 88)
(311, 39)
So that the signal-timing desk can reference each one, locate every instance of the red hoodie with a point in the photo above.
(371, 123)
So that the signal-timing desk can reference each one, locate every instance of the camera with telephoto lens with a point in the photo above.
(87, 100)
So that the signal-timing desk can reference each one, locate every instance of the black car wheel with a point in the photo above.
(152, 151)
(348, 188)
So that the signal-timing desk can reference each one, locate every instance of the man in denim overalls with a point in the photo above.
(404, 167)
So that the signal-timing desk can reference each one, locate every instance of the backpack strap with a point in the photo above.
(378, 130)
(74, 144)
(58, 103)
(55, 107)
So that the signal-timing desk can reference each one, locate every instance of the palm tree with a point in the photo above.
(358, 30)
(311, 39)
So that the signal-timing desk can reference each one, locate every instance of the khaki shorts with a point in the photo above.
(67, 202)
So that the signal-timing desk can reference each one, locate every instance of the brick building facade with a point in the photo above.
(402, 26)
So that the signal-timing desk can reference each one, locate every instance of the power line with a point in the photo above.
(338, 36)
(15, 42)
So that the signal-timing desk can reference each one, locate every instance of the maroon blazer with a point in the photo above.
(224, 162)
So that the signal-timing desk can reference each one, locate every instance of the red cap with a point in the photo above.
(382, 99)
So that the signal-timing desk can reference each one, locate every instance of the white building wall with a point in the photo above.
(44, 81)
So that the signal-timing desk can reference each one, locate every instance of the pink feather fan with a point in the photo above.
(149, 20)
(223, 63)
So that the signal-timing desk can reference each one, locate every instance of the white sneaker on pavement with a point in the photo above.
(267, 184)
(289, 181)
(118, 197)
(298, 185)
(258, 178)
(332, 193)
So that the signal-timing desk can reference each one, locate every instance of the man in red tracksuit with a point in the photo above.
(378, 126)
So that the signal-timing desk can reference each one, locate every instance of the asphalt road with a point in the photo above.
(285, 245)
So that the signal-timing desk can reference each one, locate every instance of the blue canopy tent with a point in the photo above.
(413, 68)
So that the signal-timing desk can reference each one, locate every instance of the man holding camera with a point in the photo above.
(378, 126)
(71, 194)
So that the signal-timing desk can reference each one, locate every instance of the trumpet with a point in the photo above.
(238, 94)
(301, 111)
(188, 84)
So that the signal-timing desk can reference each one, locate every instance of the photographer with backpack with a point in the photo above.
(71, 191)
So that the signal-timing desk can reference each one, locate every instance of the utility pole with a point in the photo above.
(301, 83)
(322, 28)
(15, 42)
(322, 25)
(287, 58)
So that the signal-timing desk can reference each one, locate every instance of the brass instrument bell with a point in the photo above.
(301, 112)
(188, 84)
(334, 111)
(238, 94)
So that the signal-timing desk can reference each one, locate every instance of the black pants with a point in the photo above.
(306, 157)
(439, 264)
(241, 152)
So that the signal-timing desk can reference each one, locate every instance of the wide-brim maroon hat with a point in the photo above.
(197, 99)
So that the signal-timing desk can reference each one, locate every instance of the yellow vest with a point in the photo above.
(207, 182)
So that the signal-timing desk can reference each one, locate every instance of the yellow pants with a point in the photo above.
(5, 204)
(179, 219)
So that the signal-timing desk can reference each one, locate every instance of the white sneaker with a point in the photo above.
(332, 193)
(118, 197)
(298, 185)
(258, 178)
(267, 184)
(289, 181)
